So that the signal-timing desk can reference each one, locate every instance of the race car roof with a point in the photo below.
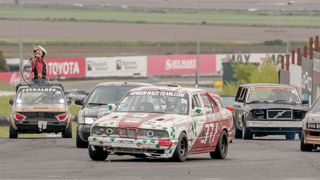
(166, 88)
(264, 84)
(123, 84)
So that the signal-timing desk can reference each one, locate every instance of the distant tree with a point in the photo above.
(3, 64)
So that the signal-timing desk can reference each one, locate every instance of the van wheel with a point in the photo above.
(13, 134)
(67, 133)
(97, 153)
(247, 134)
(181, 152)
(222, 147)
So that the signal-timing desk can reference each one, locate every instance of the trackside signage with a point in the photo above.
(130, 66)
(181, 64)
(65, 68)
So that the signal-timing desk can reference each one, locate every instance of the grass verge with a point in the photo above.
(217, 17)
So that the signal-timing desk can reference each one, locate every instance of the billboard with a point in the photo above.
(129, 66)
(295, 76)
(247, 58)
(306, 79)
(65, 68)
(316, 75)
(10, 77)
(181, 64)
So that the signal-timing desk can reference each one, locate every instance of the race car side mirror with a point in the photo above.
(305, 102)
(230, 108)
(111, 107)
(198, 111)
(79, 102)
(11, 101)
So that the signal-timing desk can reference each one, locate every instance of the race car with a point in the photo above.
(40, 108)
(310, 138)
(163, 122)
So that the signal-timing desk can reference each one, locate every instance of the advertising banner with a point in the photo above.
(306, 79)
(316, 75)
(10, 77)
(65, 68)
(130, 66)
(247, 57)
(181, 65)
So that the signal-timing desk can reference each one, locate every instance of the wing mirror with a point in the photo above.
(198, 111)
(11, 101)
(230, 108)
(79, 102)
(111, 107)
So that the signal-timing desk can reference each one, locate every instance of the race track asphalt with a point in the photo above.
(56, 158)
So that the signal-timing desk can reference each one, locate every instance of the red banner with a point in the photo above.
(66, 68)
(181, 64)
(10, 77)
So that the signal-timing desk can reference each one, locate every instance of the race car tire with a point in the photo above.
(222, 147)
(290, 136)
(13, 134)
(67, 133)
(181, 152)
(97, 153)
(238, 133)
(303, 146)
(79, 142)
(247, 134)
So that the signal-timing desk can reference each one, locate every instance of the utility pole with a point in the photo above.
(20, 39)
(198, 48)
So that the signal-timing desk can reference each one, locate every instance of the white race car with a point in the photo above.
(163, 122)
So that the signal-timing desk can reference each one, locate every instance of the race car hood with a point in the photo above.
(92, 111)
(313, 118)
(140, 120)
(41, 108)
(277, 106)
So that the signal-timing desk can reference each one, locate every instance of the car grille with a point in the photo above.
(279, 114)
(40, 115)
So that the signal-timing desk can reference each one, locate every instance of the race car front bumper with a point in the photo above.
(311, 136)
(137, 146)
(36, 126)
(275, 126)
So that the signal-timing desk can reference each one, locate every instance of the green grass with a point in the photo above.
(235, 18)
(6, 87)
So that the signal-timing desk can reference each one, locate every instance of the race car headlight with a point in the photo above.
(89, 120)
(150, 133)
(313, 125)
(98, 130)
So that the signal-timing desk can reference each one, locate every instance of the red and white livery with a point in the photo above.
(163, 122)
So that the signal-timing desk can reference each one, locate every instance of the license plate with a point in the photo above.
(42, 125)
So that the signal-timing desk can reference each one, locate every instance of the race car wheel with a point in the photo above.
(97, 153)
(79, 142)
(222, 147)
(181, 152)
(67, 133)
(238, 133)
(303, 146)
(13, 134)
(247, 134)
(290, 136)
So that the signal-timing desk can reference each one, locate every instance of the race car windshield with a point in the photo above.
(166, 102)
(104, 95)
(273, 94)
(40, 96)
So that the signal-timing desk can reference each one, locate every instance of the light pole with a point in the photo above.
(198, 48)
(20, 39)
